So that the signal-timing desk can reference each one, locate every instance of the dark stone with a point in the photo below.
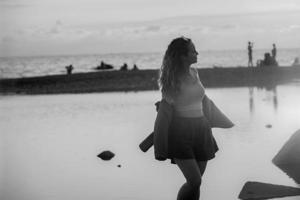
(269, 126)
(257, 190)
(119, 165)
(106, 155)
(288, 159)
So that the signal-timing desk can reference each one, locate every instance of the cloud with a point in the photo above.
(139, 31)
(148, 31)
(228, 27)
(152, 28)
(58, 23)
(12, 4)
(58, 31)
(291, 28)
(57, 28)
(7, 40)
(211, 32)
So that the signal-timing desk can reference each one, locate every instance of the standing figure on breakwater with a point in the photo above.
(268, 61)
(250, 58)
(135, 68)
(274, 52)
(124, 67)
(185, 137)
(296, 62)
(69, 69)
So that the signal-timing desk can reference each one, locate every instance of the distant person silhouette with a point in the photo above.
(274, 51)
(296, 62)
(124, 67)
(135, 67)
(269, 60)
(104, 66)
(250, 58)
(69, 69)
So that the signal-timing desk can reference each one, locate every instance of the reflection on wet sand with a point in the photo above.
(251, 101)
(288, 158)
(274, 99)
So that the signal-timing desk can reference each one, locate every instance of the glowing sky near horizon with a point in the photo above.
(42, 27)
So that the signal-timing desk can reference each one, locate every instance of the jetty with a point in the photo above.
(141, 80)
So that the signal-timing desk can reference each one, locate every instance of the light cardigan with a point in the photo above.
(163, 119)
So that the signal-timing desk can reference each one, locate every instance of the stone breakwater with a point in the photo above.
(140, 80)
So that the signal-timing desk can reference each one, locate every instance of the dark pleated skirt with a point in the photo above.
(191, 138)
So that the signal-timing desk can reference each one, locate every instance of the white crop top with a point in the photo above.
(188, 102)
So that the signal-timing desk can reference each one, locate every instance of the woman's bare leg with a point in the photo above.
(202, 166)
(191, 171)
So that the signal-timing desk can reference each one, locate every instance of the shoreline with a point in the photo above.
(143, 80)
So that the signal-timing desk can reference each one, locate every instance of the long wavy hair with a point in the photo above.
(172, 68)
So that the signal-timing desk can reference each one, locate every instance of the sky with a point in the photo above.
(66, 27)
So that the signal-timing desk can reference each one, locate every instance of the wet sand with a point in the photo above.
(107, 81)
(51, 143)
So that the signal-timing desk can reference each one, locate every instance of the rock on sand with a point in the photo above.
(288, 158)
(257, 190)
(106, 155)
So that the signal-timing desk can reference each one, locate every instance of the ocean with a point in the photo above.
(13, 67)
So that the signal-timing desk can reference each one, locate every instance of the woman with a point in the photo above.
(190, 140)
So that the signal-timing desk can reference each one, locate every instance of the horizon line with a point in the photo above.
(143, 52)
